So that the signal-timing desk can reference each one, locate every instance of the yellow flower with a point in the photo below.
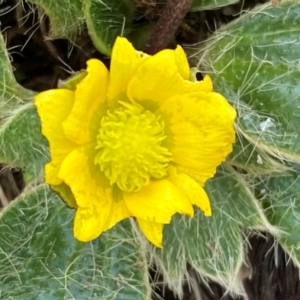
(137, 141)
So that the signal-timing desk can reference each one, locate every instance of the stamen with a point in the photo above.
(130, 152)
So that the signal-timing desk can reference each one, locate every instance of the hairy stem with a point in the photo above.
(171, 18)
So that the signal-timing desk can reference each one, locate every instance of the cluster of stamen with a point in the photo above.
(130, 151)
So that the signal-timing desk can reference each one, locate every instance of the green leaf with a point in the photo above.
(254, 62)
(107, 19)
(280, 195)
(65, 16)
(11, 93)
(210, 4)
(213, 245)
(22, 143)
(253, 160)
(40, 259)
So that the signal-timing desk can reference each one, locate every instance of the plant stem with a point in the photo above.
(170, 19)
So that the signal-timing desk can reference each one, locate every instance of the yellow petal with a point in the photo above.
(206, 84)
(65, 193)
(88, 184)
(89, 223)
(182, 63)
(92, 192)
(98, 211)
(192, 189)
(200, 132)
(53, 107)
(118, 212)
(83, 122)
(160, 78)
(158, 202)
(153, 231)
(124, 62)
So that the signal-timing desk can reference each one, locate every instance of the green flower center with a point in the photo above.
(130, 151)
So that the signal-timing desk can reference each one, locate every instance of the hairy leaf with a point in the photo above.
(22, 143)
(11, 93)
(66, 16)
(213, 245)
(107, 19)
(210, 4)
(254, 62)
(250, 158)
(280, 195)
(40, 259)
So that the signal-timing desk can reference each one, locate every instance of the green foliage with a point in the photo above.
(253, 61)
(247, 156)
(210, 4)
(66, 16)
(107, 19)
(11, 94)
(280, 196)
(40, 259)
(22, 143)
(214, 245)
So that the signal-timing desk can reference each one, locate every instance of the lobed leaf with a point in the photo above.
(254, 63)
(40, 259)
(65, 16)
(11, 93)
(22, 143)
(280, 195)
(250, 158)
(213, 245)
(107, 19)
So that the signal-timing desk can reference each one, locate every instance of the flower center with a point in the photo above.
(130, 151)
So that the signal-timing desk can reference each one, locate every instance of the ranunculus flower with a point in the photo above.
(137, 141)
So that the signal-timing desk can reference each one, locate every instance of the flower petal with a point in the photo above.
(124, 62)
(118, 212)
(92, 192)
(159, 78)
(89, 223)
(97, 209)
(88, 184)
(200, 132)
(192, 189)
(182, 63)
(158, 202)
(89, 106)
(53, 107)
(153, 231)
